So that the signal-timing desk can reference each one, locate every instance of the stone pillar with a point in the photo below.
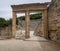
(14, 25)
(45, 23)
(27, 20)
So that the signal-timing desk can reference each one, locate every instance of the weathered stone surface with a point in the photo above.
(54, 20)
(6, 32)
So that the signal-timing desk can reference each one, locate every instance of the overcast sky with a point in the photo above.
(5, 6)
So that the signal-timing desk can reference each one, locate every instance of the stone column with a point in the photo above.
(27, 20)
(14, 25)
(45, 23)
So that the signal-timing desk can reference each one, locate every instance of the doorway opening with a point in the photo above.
(35, 22)
(20, 25)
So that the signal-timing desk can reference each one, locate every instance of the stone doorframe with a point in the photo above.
(27, 8)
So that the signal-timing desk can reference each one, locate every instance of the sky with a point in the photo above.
(6, 10)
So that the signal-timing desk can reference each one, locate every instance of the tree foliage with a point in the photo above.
(4, 23)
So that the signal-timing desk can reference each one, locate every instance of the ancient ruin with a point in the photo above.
(50, 21)
(27, 9)
(42, 34)
(50, 18)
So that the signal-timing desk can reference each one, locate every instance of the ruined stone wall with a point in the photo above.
(54, 20)
(5, 32)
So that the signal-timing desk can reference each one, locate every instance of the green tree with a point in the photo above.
(2, 22)
(9, 22)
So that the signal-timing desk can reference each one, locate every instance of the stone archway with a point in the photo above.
(27, 8)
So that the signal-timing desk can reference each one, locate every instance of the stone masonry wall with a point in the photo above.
(54, 20)
(5, 32)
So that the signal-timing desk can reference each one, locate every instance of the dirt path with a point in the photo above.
(32, 44)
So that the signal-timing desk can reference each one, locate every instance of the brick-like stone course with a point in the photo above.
(54, 20)
(6, 32)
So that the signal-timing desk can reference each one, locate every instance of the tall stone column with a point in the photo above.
(27, 20)
(45, 23)
(14, 25)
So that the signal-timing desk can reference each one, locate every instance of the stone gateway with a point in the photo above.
(50, 18)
